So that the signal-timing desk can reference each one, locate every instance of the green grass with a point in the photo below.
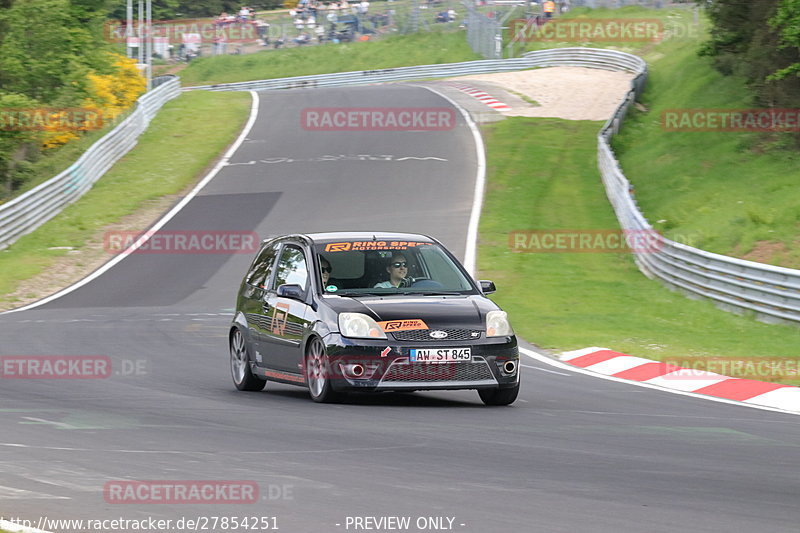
(184, 138)
(524, 97)
(396, 51)
(565, 301)
(727, 192)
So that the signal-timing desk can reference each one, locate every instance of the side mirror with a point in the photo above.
(291, 291)
(487, 287)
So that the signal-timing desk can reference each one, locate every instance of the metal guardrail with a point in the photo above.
(32, 209)
(582, 57)
(771, 293)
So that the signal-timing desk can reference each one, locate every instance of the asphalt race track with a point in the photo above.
(573, 454)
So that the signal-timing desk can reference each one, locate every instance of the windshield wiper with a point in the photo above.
(357, 293)
(433, 293)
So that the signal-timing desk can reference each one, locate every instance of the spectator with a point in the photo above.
(303, 38)
(549, 8)
(262, 30)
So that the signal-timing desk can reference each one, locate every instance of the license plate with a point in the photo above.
(440, 355)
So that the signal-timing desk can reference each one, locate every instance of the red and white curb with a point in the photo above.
(485, 98)
(628, 367)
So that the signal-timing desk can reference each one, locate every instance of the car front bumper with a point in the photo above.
(387, 367)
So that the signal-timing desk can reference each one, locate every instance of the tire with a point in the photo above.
(499, 396)
(318, 371)
(243, 378)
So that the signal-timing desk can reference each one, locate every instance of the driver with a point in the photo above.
(397, 269)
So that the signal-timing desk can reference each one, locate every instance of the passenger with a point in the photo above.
(398, 270)
(325, 272)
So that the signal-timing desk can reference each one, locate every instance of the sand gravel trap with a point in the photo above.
(573, 93)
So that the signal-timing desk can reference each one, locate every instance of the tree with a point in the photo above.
(48, 48)
(47, 52)
(759, 40)
(787, 22)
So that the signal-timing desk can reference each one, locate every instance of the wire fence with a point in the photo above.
(309, 27)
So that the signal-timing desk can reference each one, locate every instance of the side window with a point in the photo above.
(292, 268)
(442, 270)
(263, 266)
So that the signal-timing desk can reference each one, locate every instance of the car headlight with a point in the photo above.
(360, 326)
(497, 324)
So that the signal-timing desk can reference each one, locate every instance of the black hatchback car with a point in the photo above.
(369, 312)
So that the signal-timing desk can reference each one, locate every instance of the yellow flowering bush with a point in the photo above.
(109, 96)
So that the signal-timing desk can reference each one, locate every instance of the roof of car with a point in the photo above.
(367, 236)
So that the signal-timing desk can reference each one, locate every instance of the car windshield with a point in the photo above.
(354, 268)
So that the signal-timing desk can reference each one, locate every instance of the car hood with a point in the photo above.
(436, 311)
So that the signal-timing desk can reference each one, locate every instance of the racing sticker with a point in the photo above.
(280, 314)
(403, 325)
(362, 246)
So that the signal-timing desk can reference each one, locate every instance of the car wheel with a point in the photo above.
(318, 372)
(499, 396)
(243, 378)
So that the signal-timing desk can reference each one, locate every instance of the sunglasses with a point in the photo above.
(327, 270)
(400, 264)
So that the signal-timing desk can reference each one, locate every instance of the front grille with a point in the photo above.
(431, 372)
(423, 335)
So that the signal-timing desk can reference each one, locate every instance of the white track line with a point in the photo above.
(469, 263)
(161, 222)
(470, 252)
